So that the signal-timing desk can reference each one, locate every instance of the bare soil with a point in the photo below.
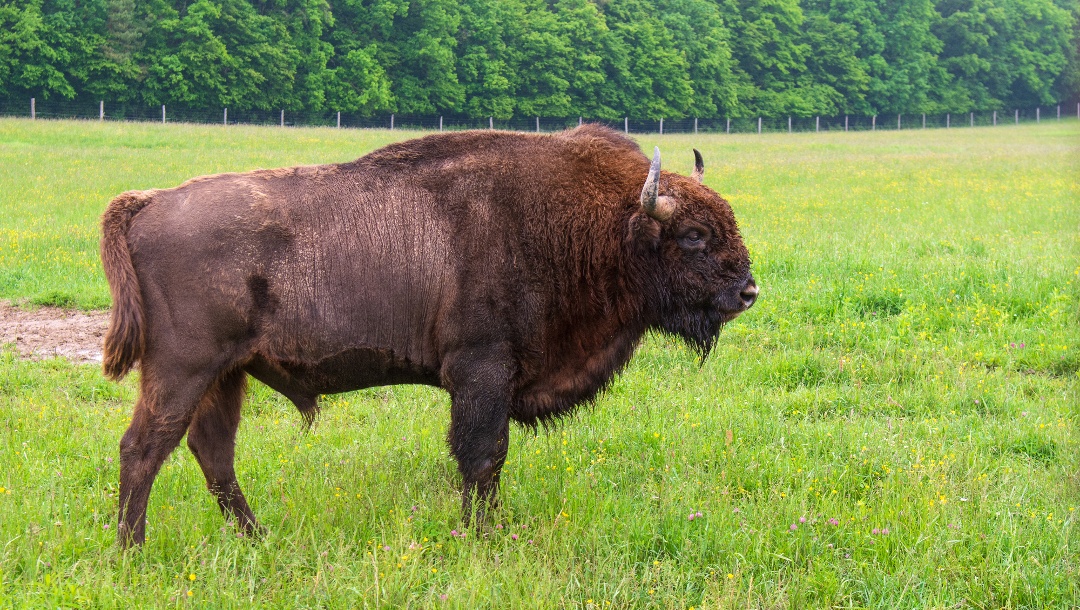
(48, 332)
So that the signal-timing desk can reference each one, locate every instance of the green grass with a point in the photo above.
(911, 365)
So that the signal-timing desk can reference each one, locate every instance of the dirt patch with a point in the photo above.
(47, 332)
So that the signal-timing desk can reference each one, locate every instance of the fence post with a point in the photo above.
(729, 120)
(33, 110)
(759, 124)
(163, 114)
(579, 121)
(101, 110)
(440, 122)
(695, 120)
(225, 117)
(661, 125)
(1037, 115)
(873, 123)
(391, 121)
(898, 122)
(339, 119)
(995, 118)
(972, 119)
(817, 123)
(948, 119)
(626, 124)
(924, 120)
(537, 124)
(491, 122)
(282, 117)
(845, 122)
(789, 124)
(1059, 112)
(1016, 115)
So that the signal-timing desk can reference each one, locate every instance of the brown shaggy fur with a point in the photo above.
(518, 272)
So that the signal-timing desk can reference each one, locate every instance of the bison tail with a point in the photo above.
(124, 341)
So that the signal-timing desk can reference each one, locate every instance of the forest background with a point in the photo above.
(600, 59)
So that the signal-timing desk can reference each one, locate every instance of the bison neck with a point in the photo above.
(576, 364)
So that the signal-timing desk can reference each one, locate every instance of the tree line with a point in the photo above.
(604, 59)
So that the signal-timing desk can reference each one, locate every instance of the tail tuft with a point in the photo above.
(125, 340)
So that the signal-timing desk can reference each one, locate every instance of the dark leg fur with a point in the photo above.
(162, 414)
(481, 453)
(212, 439)
(479, 431)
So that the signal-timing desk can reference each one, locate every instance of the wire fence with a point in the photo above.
(105, 111)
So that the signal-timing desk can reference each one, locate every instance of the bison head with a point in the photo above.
(700, 267)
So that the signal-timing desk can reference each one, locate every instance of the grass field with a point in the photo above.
(896, 423)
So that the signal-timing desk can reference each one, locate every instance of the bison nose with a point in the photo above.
(749, 293)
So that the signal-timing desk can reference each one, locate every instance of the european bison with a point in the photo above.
(516, 271)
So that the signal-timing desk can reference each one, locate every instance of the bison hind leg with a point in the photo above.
(163, 411)
(212, 440)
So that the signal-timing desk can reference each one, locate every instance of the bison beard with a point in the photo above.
(518, 272)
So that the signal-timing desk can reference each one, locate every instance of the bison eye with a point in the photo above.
(693, 239)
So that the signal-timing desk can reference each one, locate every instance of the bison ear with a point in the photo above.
(644, 232)
(659, 207)
(699, 167)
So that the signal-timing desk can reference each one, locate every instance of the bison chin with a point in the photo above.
(699, 328)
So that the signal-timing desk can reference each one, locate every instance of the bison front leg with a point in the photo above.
(479, 429)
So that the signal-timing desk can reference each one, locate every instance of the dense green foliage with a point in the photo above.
(907, 383)
(645, 59)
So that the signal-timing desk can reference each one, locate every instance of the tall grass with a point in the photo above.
(894, 423)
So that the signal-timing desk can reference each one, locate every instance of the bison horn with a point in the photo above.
(699, 167)
(659, 207)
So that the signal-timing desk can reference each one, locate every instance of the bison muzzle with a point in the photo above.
(518, 272)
